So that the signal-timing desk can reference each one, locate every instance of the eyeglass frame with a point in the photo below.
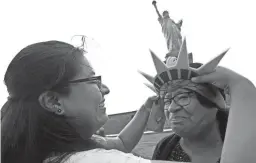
(93, 78)
(176, 101)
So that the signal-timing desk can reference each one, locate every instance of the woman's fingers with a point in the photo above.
(208, 78)
(149, 102)
(213, 78)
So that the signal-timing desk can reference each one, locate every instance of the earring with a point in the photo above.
(59, 110)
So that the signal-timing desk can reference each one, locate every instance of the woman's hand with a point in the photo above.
(221, 77)
(155, 106)
(149, 102)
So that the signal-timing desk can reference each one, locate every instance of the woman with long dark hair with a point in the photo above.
(56, 104)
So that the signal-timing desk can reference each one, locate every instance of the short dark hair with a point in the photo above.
(222, 115)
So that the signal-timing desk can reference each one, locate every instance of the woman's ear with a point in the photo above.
(50, 101)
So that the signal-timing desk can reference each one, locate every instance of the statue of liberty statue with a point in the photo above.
(171, 31)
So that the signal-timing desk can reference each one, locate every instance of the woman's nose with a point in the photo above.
(173, 107)
(104, 89)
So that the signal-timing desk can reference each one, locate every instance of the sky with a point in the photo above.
(121, 32)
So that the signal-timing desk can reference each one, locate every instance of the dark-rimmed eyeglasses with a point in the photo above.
(93, 79)
(182, 99)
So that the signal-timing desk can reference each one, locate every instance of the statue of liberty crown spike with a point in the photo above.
(179, 70)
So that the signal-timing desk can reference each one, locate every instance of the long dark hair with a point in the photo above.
(30, 133)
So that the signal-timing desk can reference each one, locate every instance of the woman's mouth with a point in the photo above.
(102, 103)
(177, 120)
(102, 107)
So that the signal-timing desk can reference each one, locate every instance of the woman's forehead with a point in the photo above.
(85, 68)
(86, 72)
(83, 61)
(177, 91)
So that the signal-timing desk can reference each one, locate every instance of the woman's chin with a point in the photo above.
(102, 118)
(177, 129)
(105, 118)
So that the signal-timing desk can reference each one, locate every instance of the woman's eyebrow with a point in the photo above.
(179, 92)
(169, 95)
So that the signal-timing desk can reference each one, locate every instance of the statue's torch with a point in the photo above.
(154, 4)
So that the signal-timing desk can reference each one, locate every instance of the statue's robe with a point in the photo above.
(172, 35)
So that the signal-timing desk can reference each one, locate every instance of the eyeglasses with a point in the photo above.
(182, 99)
(94, 79)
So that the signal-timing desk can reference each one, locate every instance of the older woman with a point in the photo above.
(199, 124)
(195, 106)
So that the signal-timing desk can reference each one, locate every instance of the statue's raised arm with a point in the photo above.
(157, 11)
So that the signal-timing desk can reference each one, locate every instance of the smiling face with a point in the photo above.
(85, 102)
(185, 113)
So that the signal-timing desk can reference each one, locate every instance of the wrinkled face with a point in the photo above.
(85, 103)
(185, 113)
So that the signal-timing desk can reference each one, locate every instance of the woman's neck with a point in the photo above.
(206, 147)
(208, 138)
